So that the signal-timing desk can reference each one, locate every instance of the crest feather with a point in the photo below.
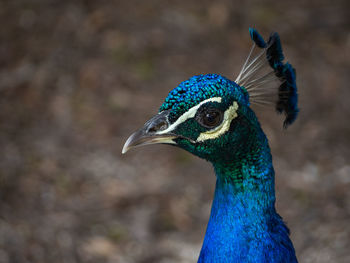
(267, 79)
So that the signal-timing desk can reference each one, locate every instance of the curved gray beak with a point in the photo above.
(149, 133)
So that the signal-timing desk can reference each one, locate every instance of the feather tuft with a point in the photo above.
(288, 104)
(259, 75)
(256, 37)
(274, 53)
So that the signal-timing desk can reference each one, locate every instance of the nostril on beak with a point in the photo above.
(157, 125)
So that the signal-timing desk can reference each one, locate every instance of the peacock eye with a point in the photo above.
(209, 117)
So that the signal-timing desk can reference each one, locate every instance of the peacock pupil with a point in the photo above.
(210, 118)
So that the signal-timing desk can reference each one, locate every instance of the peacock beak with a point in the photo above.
(150, 133)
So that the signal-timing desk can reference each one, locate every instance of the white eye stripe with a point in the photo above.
(189, 114)
(229, 115)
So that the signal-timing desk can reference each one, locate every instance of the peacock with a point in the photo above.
(211, 117)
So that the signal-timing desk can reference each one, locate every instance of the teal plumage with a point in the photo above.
(210, 116)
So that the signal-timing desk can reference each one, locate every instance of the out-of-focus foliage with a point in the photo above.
(77, 77)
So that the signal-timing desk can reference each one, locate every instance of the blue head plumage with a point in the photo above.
(199, 88)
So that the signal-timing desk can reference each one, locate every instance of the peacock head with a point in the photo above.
(203, 115)
(210, 115)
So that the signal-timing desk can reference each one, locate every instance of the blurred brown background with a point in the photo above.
(77, 77)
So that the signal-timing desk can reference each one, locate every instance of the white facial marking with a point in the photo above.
(229, 115)
(188, 114)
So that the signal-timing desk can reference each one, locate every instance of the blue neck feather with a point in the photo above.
(244, 225)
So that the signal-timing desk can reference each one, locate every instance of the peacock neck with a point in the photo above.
(244, 225)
